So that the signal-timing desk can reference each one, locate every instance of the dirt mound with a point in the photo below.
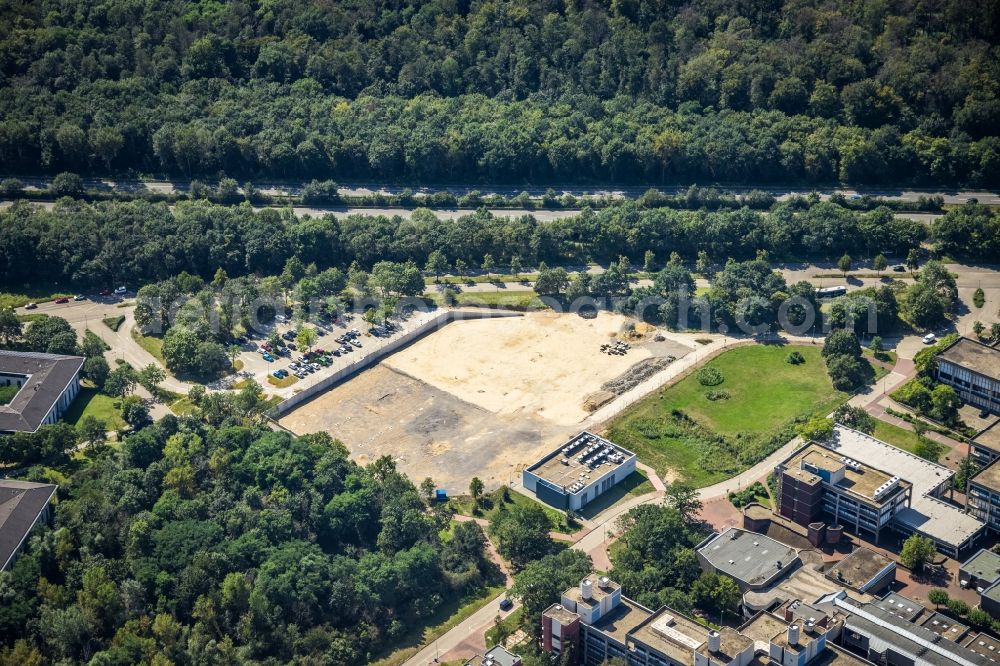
(594, 401)
(637, 374)
(636, 331)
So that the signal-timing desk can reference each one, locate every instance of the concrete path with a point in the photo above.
(88, 314)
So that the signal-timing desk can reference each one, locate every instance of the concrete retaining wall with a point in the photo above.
(406, 338)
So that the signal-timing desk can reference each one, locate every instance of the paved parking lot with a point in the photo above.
(257, 367)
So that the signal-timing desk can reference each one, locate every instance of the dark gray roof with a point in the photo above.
(48, 376)
(897, 604)
(20, 504)
(748, 557)
(887, 630)
(974, 356)
(984, 565)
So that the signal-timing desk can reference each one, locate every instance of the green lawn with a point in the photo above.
(114, 323)
(491, 503)
(90, 402)
(183, 406)
(635, 484)
(7, 393)
(765, 395)
(765, 391)
(153, 345)
(282, 383)
(898, 437)
(502, 298)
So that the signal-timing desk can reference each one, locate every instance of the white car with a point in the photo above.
(929, 339)
(121, 290)
(281, 319)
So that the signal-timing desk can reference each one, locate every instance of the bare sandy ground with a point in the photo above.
(428, 432)
(476, 398)
(542, 363)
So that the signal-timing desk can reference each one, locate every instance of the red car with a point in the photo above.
(105, 292)
(62, 300)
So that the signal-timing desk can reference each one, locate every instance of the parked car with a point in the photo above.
(105, 292)
(268, 358)
(899, 268)
(506, 604)
(356, 343)
(291, 345)
(79, 297)
(62, 300)
(120, 290)
(281, 319)
(929, 339)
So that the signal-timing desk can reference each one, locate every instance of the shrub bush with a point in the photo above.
(795, 358)
(709, 376)
(717, 395)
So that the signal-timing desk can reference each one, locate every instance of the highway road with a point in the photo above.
(365, 188)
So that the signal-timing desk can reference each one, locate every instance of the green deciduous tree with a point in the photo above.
(437, 264)
(91, 430)
(817, 429)
(917, 552)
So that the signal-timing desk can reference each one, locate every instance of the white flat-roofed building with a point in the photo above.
(578, 472)
(952, 530)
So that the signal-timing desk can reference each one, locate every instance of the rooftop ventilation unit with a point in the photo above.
(886, 487)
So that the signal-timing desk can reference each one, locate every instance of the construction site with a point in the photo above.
(486, 397)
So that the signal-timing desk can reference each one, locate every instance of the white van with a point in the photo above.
(929, 339)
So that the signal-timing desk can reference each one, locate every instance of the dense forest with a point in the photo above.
(138, 242)
(799, 91)
(229, 543)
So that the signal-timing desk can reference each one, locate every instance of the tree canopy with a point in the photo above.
(234, 543)
(626, 91)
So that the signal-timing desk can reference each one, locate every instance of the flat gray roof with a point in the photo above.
(993, 591)
(989, 437)
(748, 556)
(985, 565)
(984, 645)
(989, 476)
(897, 604)
(583, 459)
(48, 375)
(974, 356)
(926, 514)
(944, 626)
(859, 567)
